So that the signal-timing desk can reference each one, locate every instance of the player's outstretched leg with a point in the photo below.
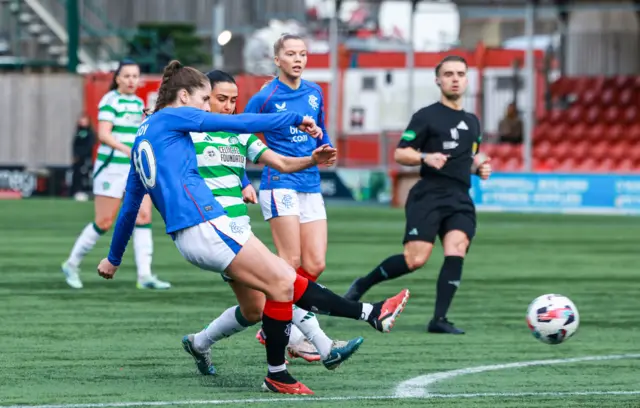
(391, 268)
(381, 315)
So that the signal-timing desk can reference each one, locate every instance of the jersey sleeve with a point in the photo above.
(245, 180)
(416, 132)
(106, 109)
(135, 192)
(321, 123)
(248, 122)
(255, 148)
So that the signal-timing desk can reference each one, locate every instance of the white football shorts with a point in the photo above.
(213, 245)
(279, 202)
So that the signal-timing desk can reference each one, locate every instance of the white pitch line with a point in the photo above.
(406, 390)
(327, 399)
(418, 387)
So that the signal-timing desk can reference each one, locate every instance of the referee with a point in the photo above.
(443, 139)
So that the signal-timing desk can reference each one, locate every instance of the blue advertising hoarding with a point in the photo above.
(558, 193)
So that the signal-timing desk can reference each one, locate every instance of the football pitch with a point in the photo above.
(111, 345)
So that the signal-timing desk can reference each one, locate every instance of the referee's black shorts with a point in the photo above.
(432, 213)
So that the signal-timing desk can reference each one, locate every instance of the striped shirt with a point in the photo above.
(125, 113)
(221, 163)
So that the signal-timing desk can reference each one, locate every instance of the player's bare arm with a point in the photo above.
(105, 136)
(322, 155)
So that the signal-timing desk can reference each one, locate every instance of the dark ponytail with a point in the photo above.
(123, 63)
(176, 77)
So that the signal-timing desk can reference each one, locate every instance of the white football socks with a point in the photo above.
(227, 324)
(307, 324)
(143, 250)
(85, 243)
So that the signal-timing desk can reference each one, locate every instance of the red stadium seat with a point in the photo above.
(608, 97)
(625, 166)
(606, 165)
(542, 150)
(618, 151)
(555, 116)
(558, 132)
(634, 153)
(614, 133)
(579, 150)
(513, 164)
(574, 114)
(595, 133)
(611, 115)
(545, 165)
(623, 82)
(588, 165)
(632, 133)
(593, 115)
(541, 132)
(503, 150)
(627, 97)
(588, 98)
(566, 165)
(561, 150)
(600, 150)
(631, 115)
(577, 132)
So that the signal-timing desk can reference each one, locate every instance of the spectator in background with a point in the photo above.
(510, 127)
(83, 143)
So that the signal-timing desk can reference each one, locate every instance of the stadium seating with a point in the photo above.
(599, 130)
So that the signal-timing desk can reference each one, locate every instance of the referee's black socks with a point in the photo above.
(448, 283)
(391, 268)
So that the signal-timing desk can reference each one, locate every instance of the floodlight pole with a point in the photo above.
(410, 66)
(334, 85)
(216, 28)
(530, 73)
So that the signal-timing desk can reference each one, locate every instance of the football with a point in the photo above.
(552, 318)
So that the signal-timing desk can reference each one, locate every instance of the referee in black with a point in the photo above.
(443, 139)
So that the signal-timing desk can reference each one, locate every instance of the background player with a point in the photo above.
(119, 115)
(205, 235)
(293, 203)
(221, 162)
(443, 139)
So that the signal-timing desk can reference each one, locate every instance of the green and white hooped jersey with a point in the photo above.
(125, 113)
(221, 162)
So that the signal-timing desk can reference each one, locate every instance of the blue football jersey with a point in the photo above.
(307, 100)
(164, 165)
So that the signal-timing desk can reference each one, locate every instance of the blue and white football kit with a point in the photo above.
(298, 193)
(165, 166)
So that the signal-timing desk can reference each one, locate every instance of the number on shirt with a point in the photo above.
(144, 153)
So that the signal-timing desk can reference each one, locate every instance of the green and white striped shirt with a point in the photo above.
(221, 163)
(125, 113)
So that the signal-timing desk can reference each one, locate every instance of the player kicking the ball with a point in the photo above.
(221, 162)
(443, 139)
(165, 166)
